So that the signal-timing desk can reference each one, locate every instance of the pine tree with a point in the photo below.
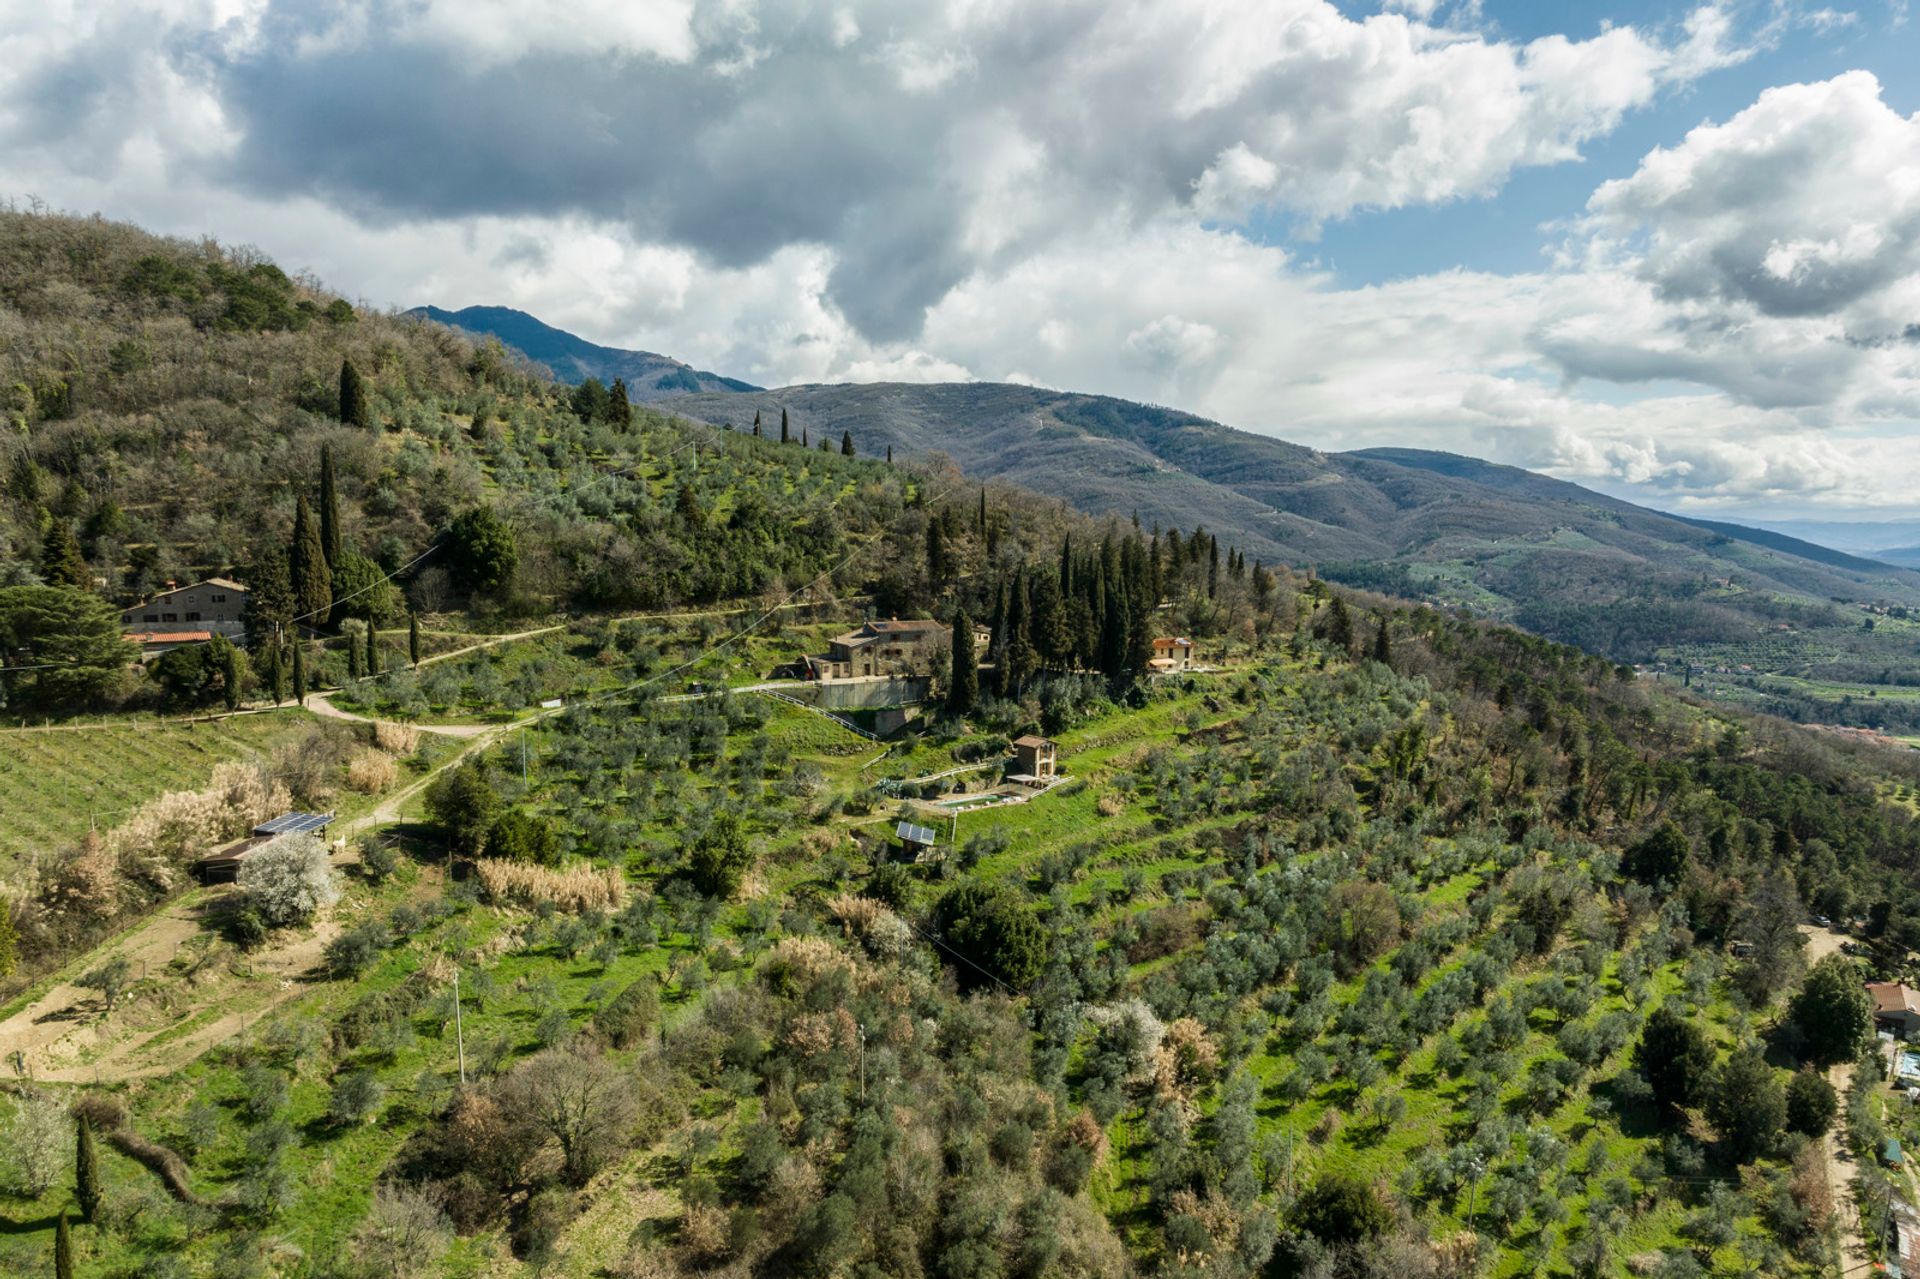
(846, 444)
(413, 638)
(1339, 626)
(307, 565)
(756, 424)
(86, 1171)
(61, 563)
(7, 936)
(62, 1248)
(329, 509)
(619, 408)
(299, 671)
(355, 410)
(786, 432)
(963, 684)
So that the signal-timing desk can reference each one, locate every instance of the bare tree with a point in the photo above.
(577, 1098)
(404, 1233)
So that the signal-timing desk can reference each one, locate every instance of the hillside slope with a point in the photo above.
(573, 359)
(1612, 577)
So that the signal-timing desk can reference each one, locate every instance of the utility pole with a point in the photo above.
(863, 1063)
(459, 1038)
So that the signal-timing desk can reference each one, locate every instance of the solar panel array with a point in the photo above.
(294, 824)
(914, 834)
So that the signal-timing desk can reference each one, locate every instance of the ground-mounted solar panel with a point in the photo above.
(294, 824)
(914, 834)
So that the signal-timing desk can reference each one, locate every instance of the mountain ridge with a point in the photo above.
(649, 375)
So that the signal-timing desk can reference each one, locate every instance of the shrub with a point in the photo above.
(290, 880)
(356, 950)
(356, 1097)
(576, 888)
(629, 1014)
(523, 837)
(370, 772)
(1342, 1209)
(396, 739)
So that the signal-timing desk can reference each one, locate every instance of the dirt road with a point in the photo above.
(1842, 1169)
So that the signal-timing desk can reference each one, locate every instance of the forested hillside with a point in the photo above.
(1772, 623)
(1381, 940)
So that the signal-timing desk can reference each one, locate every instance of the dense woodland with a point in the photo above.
(1401, 944)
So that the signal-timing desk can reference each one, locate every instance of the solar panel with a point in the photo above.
(914, 834)
(294, 824)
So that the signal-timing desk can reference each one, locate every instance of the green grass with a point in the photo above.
(56, 785)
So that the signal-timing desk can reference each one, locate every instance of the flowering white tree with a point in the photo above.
(290, 880)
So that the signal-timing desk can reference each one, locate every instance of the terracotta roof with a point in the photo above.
(1031, 741)
(1172, 641)
(1892, 997)
(169, 637)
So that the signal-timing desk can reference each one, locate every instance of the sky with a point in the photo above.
(1671, 251)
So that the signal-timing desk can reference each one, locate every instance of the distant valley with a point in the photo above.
(1771, 621)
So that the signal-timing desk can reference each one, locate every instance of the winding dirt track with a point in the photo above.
(1842, 1170)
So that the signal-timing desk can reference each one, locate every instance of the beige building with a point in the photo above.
(218, 606)
(1034, 760)
(892, 647)
(1171, 653)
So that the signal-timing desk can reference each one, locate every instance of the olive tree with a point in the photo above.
(289, 881)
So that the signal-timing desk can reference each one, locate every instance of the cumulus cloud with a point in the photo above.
(1054, 194)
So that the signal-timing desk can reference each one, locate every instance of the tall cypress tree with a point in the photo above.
(889, 455)
(846, 444)
(299, 670)
(1213, 567)
(373, 648)
(329, 509)
(937, 564)
(62, 1248)
(61, 563)
(356, 657)
(307, 565)
(963, 683)
(1022, 658)
(355, 410)
(1383, 644)
(756, 424)
(1113, 632)
(619, 408)
(805, 443)
(86, 1171)
(413, 638)
(786, 432)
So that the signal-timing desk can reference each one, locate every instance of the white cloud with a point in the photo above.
(1048, 194)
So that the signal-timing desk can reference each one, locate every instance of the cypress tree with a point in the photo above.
(786, 432)
(1066, 567)
(980, 517)
(963, 684)
(233, 674)
(329, 509)
(756, 424)
(354, 407)
(356, 658)
(62, 1248)
(1022, 658)
(1113, 632)
(373, 649)
(824, 446)
(299, 671)
(1139, 614)
(86, 1171)
(61, 563)
(619, 408)
(1213, 567)
(889, 455)
(413, 638)
(997, 628)
(1340, 626)
(307, 565)
(805, 443)
(1383, 644)
(846, 444)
